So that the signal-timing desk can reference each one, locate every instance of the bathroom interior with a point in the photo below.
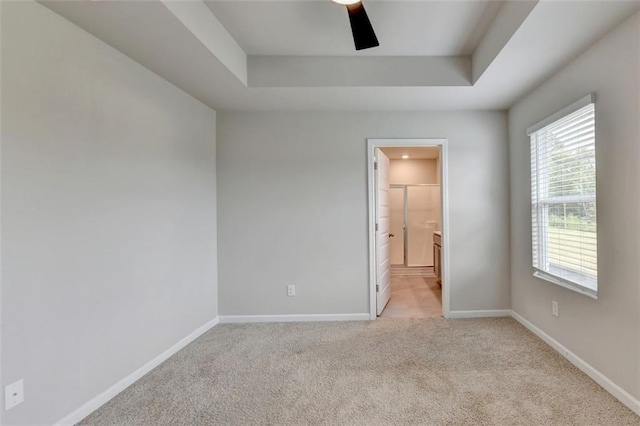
(415, 236)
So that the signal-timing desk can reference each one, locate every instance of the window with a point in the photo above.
(563, 198)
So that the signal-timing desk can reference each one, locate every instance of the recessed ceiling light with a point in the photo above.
(345, 2)
(405, 156)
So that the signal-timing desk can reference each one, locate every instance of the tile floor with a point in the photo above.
(414, 297)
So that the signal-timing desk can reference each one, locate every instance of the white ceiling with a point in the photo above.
(321, 27)
(523, 49)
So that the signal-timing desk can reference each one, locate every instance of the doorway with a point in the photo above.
(407, 214)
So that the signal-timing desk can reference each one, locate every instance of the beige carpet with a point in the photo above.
(384, 372)
(414, 297)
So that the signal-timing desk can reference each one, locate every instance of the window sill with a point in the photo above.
(566, 284)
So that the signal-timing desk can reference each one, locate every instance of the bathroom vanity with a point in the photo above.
(437, 256)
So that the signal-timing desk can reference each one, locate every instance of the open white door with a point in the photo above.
(383, 279)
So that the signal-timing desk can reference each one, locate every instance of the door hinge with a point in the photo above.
(376, 226)
(377, 288)
(375, 166)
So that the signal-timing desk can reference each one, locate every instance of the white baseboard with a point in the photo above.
(233, 319)
(480, 314)
(97, 402)
(620, 394)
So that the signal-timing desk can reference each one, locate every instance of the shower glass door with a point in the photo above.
(415, 214)
(423, 219)
(396, 224)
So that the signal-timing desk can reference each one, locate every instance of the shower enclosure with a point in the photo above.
(415, 214)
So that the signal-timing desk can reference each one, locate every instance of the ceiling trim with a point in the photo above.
(187, 53)
(203, 24)
(349, 71)
(363, 71)
(510, 17)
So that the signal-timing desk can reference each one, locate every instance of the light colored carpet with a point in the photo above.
(384, 372)
(414, 297)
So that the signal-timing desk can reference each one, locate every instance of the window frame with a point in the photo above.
(539, 210)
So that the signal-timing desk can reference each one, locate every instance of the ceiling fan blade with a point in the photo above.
(363, 35)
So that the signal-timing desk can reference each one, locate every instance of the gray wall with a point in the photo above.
(292, 208)
(603, 332)
(108, 214)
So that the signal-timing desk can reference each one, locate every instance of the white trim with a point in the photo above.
(236, 319)
(371, 180)
(620, 394)
(488, 313)
(372, 144)
(559, 281)
(98, 401)
(569, 109)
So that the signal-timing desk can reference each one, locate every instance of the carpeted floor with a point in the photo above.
(384, 372)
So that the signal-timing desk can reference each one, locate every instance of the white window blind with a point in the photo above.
(563, 198)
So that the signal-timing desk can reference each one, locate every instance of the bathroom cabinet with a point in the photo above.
(437, 256)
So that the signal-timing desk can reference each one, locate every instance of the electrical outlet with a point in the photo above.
(554, 308)
(13, 394)
(291, 290)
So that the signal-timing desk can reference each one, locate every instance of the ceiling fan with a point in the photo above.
(363, 35)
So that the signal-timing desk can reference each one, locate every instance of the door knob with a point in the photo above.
(392, 235)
